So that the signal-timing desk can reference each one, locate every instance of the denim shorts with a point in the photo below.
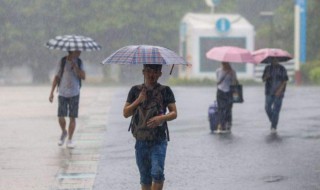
(150, 158)
(68, 106)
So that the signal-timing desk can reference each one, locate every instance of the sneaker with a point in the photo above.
(273, 130)
(218, 131)
(70, 144)
(63, 138)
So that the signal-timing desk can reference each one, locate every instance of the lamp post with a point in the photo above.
(269, 15)
(212, 4)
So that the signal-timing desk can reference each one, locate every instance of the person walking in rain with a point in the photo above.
(226, 76)
(275, 78)
(147, 104)
(68, 78)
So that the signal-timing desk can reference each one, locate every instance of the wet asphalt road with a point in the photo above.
(250, 158)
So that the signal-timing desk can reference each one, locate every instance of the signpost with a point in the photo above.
(300, 37)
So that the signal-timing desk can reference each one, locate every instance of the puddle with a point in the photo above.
(273, 178)
(76, 175)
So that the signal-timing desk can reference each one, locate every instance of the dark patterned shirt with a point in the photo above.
(278, 75)
(167, 94)
(168, 98)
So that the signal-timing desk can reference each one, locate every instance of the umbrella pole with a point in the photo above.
(171, 69)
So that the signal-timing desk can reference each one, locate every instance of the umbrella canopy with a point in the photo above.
(267, 54)
(144, 54)
(73, 43)
(230, 54)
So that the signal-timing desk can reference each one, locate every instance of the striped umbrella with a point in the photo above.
(73, 43)
(144, 54)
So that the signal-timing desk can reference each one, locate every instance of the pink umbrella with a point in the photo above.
(230, 54)
(267, 54)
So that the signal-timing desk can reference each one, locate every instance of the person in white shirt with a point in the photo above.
(68, 78)
(226, 76)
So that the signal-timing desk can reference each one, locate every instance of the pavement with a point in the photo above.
(248, 158)
(29, 156)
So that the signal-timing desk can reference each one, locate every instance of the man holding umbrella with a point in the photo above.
(68, 79)
(151, 105)
(275, 78)
(147, 104)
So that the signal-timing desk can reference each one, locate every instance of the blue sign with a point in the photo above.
(223, 25)
(216, 2)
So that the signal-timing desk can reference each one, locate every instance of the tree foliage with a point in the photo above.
(28, 24)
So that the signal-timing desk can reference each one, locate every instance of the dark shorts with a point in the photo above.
(68, 106)
(150, 158)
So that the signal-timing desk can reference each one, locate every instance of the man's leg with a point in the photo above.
(268, 107)
(145, 187)
(62, 113)
(72, 127)
(73, 114)
(144, 164)
(157, 186)
(276, 111)
(158, 156)
(62, 123)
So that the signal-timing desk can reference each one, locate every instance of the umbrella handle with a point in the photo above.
(171, 69)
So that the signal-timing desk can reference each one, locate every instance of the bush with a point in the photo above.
(191, 82)
(315, 75)
(311, 72)
(204, 82)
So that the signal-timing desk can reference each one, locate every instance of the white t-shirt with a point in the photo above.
(227, 81)
(69, 83)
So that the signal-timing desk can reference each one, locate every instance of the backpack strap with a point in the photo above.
(62, 65)
(132, 117)
(79, 62)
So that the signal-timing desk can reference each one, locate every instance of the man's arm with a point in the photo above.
(266, 75)
(281, 88)
(129, 108)
(54, 84)
(80, 73)
(157, 120)
(172, 113)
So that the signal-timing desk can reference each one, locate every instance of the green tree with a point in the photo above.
(27, 25)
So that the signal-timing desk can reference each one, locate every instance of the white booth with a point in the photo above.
(201, 32)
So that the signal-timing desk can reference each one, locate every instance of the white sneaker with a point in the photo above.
(70, 144)
(273, 130)
(62, 138)
(218, 131)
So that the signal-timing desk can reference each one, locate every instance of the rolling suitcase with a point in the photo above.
(213, 116)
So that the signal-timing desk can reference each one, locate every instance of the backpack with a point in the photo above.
(152, 106)
(62, 65)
